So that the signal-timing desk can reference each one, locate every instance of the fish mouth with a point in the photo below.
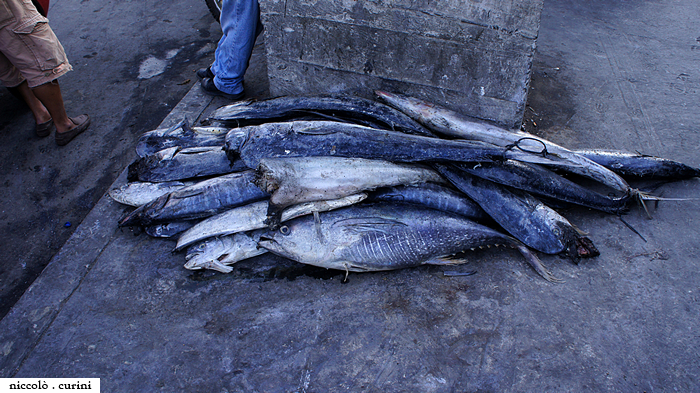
(193, 264)
(232, 156)
(270, 245)
(267, 240)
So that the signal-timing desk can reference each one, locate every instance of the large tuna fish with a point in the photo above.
(384, 237)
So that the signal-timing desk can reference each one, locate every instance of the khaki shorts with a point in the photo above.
(31, 51)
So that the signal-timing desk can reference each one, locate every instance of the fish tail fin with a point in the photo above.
(640, 197)
(186, 127)
(132, 218)
(643, 196)
(181, 124)
(536, 264)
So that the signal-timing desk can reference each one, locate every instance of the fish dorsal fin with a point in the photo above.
(200, 150)
(364, 225)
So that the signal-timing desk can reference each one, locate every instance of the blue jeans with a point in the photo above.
(240, 23)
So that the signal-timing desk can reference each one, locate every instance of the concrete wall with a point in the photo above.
(472, 56)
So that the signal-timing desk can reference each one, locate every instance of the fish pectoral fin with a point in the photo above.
(536, 264)
(211, 264)
(218, 266)
(169, 153)
(363, 229)
(314, 131)
(446, 260)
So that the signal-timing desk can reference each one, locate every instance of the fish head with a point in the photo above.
(296, 239)
(203, 252)
(413, 107)
(424, 112)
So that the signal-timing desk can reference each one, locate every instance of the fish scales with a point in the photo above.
(400, 248)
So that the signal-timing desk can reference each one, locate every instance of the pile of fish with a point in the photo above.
(357, 185)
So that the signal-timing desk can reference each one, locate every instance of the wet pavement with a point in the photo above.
(120, 306)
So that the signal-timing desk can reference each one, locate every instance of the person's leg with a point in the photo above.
(41, 114)
(50, 95)
(19, 87)
(66, 128)
(34, 50)
(239, 22)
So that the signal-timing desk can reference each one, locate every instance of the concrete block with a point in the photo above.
(474, 57)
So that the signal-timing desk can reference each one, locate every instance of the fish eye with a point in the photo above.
(285, 230)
